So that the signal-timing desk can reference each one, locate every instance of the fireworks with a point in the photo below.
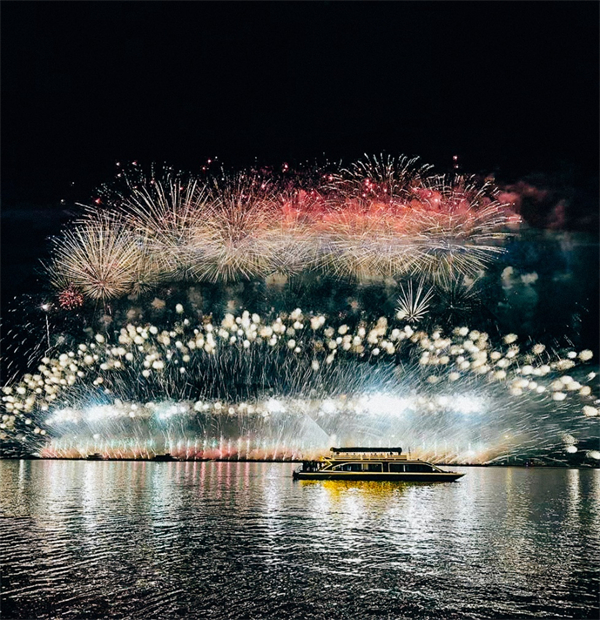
(100, 258)
(413, 305)
(459, 297)
(384, 179)
(379, 217)
(238, 235)
(70, 298)
(248, 376)
(460, 225)
(164, 218)
(291, 383)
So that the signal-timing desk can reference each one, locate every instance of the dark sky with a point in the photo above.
(507, 85)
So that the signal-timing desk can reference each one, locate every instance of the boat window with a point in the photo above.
(374, 467)
(418, 468)
(349, 467)
(396, 468)
(311, 466)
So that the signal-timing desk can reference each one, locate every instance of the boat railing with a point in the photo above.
(369, 456)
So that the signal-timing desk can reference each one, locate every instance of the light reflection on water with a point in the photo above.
(236, 540)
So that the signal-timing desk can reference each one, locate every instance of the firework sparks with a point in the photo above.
(379, 217)
(413, 305)
(235, 368)
(99, 257)
(70, 298)
(292, 380)
(384, 179)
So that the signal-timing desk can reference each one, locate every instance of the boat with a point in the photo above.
(164, 457)
(383, 464)
(95, 457)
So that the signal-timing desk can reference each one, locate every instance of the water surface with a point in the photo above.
(242, 540)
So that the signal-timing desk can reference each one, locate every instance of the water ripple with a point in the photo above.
(241, 540)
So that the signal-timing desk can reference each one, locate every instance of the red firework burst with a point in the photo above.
(70, 298)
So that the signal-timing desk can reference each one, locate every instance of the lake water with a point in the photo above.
(242, 540)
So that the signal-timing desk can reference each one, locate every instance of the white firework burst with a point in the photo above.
(414, 302)
(101, 258)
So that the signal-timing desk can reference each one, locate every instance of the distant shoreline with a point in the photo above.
(177, 460)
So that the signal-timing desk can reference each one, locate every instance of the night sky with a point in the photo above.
(509, 87)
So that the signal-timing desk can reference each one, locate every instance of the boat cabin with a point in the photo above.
(371, 460)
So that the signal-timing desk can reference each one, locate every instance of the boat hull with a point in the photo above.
(382, 477)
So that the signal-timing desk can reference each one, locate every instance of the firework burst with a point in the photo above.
(166, 213)
(99, 257)
(70, 298)
(236, 236)
(380, 217)
(413, 304)
(459, 227)
(459, 297)
(248, 361)
(376, 179)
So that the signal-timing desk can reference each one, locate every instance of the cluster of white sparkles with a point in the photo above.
(151, 352)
